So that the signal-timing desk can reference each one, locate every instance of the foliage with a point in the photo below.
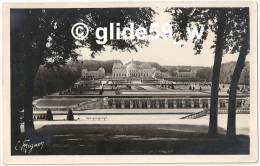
(204, 73)
(94, 65)
(47, 32)
(50, 80)
(235, 25)
(227, 70)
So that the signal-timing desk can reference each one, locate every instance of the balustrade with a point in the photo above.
(169, 103)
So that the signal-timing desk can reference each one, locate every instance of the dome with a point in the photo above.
(84, 71)
(131, 66)
(101, 69)
(117, 66)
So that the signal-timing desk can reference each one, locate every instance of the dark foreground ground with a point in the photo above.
(136, 139)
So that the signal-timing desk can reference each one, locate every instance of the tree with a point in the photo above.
(204, 73)
(241, 31)
(56, 79)
(219, 21)
(17, 89)
(43, 37)
(213, 20)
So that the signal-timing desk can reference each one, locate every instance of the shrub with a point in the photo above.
(49, 115)
(70, 115)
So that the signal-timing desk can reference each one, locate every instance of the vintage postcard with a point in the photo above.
(130, 82)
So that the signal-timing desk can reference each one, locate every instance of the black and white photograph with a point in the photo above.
(125, 80)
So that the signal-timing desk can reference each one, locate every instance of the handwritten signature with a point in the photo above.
(27, 147)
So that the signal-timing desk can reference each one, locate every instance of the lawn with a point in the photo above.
(131, 139)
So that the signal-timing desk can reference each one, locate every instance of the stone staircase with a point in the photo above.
(204, 112)
(196, 115)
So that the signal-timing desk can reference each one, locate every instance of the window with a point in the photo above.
(222, 104)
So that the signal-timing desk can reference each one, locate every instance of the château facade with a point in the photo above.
(133, 70)
(86, 74)
(185, 73)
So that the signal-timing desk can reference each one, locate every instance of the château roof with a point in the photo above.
(117, 65)
(132, 65)
(184, 70)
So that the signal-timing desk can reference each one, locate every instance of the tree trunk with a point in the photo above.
(231, 124)
(15, 127)
(31, 68)
(16, 104)
(28, 110)
(16, 99)
(213, 122)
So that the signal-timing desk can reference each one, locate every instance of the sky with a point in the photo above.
(164, 52)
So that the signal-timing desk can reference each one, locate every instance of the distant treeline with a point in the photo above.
(226, 72)
(50, 80)
(94, 65)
